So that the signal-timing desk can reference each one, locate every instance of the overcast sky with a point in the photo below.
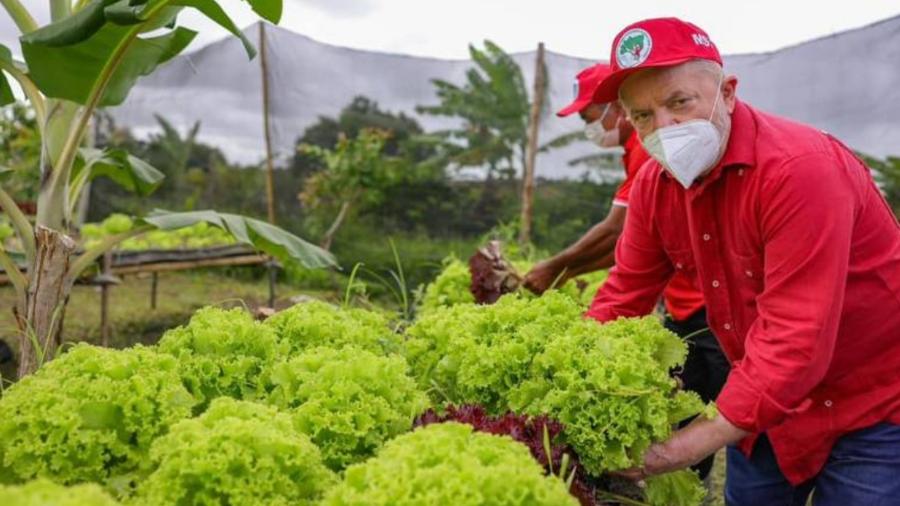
(575, 27)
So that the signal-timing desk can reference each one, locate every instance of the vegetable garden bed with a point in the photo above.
(317, 405)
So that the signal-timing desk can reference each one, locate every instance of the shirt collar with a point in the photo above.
(741, 148)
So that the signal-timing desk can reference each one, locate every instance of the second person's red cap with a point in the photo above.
(585, 85)
(660, 42)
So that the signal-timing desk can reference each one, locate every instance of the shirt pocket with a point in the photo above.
(683, 262)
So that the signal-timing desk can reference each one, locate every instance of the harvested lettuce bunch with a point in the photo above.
(90, 415)
(349, 401)
(237, 452)
(449, 463)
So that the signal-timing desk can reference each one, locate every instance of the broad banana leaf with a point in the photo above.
(127, 171)
(6, 93)
(100, 47)
(275, 241)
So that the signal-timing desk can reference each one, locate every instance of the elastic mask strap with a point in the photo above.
(605, 110)
(718, 94)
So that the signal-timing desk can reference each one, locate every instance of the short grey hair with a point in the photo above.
(709, 67)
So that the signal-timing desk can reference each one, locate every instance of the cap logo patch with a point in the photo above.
(701, 40)
(634, 48)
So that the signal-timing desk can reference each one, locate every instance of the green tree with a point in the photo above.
(360, 114)
(356, 174)
(20, 146)
(493, 107)
(90, 56)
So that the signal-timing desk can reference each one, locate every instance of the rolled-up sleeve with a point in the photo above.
(807, 214)
(642, 266)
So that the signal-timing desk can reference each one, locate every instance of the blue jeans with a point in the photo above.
(863, 469)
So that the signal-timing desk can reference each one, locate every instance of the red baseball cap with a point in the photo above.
(586, 83)
(660, 42)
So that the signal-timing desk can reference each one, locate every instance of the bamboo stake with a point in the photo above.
(537, 104)
(270, 169)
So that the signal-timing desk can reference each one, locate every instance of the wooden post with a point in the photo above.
(537, 104)
(273, 277)
(104, 300)
(270, 167)
(154, 284)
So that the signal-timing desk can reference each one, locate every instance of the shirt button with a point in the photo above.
(749, 274)
(678, 265)
(706, 237)
(741, 172)
(828, 403)
(727, 326)
(715, 283)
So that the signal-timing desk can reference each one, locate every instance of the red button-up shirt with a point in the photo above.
(681, 296)
(798, 257)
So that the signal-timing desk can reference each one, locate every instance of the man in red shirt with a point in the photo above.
(798, 257)
(706, 367)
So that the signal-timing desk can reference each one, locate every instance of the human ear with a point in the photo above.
(729, 90)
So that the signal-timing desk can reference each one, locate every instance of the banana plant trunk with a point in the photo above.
(39, 316)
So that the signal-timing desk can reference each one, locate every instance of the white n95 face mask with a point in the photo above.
(595, 132)
(604, 138)
(688, 149)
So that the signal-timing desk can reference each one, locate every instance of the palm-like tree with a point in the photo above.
(493, 104)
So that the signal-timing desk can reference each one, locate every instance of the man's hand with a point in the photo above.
(686, 447)
(542, 276)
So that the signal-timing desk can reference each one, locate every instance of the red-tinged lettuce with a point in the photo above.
(222, 353)
(539, 434)
(610, 387)
(311, 324)
(237, 452)
(43, 492)
(449, 463)
(454, 284)
(349, 401)
(90, 415)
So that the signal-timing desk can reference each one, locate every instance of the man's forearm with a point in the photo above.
(691, 445)
(596, 264)
(593, 251)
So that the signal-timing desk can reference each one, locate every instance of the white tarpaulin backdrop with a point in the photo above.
(847, 84)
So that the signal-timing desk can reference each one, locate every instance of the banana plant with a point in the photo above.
(89, 56)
